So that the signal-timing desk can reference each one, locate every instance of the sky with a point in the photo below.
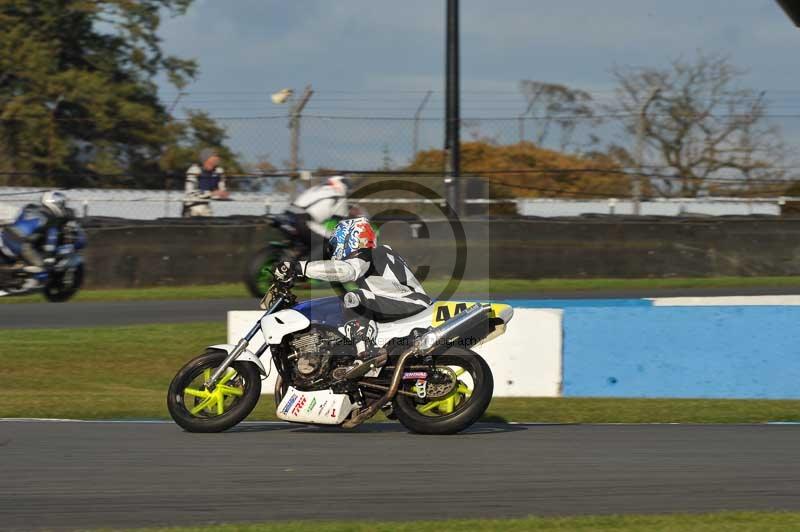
(379, 57)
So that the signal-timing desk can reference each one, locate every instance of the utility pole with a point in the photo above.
(452, 143)
(640, 149)
(294, 125)
(521, 119)
(416, 122)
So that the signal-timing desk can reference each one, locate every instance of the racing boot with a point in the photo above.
(30, 284)
(35, 262)
(363, 332)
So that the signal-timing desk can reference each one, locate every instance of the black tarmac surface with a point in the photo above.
(90, 314)
(103, 474)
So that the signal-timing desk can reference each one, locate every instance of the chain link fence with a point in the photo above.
(507, 161)
(376, 143)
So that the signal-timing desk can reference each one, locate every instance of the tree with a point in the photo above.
(77, 96)
(526, 170)
(556, 107)
(702, 126)
(192, 137)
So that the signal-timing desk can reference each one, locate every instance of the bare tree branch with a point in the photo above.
(561, 107)
(701, 124)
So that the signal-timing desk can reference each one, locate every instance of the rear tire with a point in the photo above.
(242, 407)
(466, 413)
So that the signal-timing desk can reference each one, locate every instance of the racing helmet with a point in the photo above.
(340, 183)
(351, 235)
(55, 202)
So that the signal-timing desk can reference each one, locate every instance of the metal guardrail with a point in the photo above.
(152, 204)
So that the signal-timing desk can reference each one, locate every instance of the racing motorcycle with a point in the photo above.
(63, 274)
(431, 380)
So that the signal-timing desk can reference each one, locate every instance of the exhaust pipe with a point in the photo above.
(453, 328)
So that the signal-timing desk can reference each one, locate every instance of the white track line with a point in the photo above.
(123, 421)
(519, 423)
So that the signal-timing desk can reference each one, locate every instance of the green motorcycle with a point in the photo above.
(258, 275)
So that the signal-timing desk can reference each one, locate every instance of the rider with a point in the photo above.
(34, 237)
(312, 208)
(387, 289)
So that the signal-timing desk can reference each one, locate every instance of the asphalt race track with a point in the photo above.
(123, 474)
(89, 314)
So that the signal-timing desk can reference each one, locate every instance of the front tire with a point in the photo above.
(460, 408)
(258, 276)
(196, 409)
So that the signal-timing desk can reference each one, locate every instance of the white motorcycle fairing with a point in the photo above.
(322, 407)
(434, 316)
(245, 356)
(275, 326)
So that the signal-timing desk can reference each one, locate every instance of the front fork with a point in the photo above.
(211, 383)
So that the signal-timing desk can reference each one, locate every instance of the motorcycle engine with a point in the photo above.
(313, 355)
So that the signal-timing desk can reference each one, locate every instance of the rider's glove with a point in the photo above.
(287, 271)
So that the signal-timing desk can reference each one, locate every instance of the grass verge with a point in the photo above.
(727, 521)
(124, 372)
(497, 287)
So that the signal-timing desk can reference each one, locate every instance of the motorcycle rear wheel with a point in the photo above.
(196, 409)
(459, 409)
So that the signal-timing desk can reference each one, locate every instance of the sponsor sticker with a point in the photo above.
(414, 375)
(322, 407)
(299, 405)
(311, 405)
(289, 403)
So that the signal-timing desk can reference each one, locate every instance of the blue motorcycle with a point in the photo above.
(63, 272)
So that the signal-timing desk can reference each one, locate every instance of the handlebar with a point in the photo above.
(278, 292)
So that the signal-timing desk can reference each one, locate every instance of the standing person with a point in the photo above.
(196, 201)
(209, 179)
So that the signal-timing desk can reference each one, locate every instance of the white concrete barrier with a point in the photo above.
(727, 301)
(525, 361)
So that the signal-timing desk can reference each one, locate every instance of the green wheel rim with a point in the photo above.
(264, 276)
(214, 403)
(448, 404)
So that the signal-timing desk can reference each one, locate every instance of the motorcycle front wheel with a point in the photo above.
(467, 385)
(62, 286)
(197, 409)
(258, 276)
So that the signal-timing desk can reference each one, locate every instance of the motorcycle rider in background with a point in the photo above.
(34, 237)
(309, 211)
(387, 289)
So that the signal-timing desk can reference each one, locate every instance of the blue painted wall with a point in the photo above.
(722, 352)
